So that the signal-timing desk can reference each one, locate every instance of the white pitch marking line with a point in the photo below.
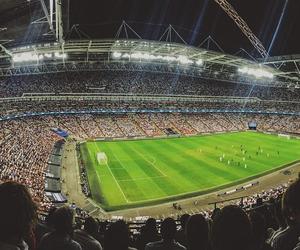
(149, 162)
(115, 177)
(117, 183)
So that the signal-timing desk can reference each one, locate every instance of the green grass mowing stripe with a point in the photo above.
(204, 163)
(168, 164)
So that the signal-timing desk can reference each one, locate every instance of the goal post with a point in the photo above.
(102, 158)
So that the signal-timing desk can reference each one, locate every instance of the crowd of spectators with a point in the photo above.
(24, 150)
(272, 224)
(136, 83)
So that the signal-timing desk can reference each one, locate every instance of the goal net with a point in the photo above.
(101, 158)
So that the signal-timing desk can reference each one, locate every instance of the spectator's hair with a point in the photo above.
(291, 201)
(215, 213)
(259, 227)
(116, 236)
(183, 220)
(231, 230)
(62, 220)
(197, 232)
(90, 225)
(49, 217)
(17, 211)
(150, 225)
(168, 229)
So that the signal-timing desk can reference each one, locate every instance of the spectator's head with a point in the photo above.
(116, 236)
(168, 229)
(197, 232)
(291, 203)
(231, 230)
(49, 218)
(62, 220)
(17, 211)
(150, 225)
(215, 213)
(183, 220)
(90, 225)
(259, 229)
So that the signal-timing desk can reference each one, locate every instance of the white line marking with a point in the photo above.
(142, 155)
(117, 183)
(115, 177)
(93, 211)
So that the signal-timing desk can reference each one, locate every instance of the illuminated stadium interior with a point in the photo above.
(128, 126)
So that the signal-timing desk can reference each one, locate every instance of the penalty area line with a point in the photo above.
(117, 183)
(112, 174)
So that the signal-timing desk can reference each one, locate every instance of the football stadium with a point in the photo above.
(149, 125)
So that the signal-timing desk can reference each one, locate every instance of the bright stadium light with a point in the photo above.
(126, 55)
(24, 57)
(258, 72)
(116, 54)
(48, 55)
(184, 60)
(146, 56)
(199, 62)
(59, 55)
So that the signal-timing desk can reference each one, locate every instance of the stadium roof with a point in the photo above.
(126, 54)
(274, 22)
(24, 22)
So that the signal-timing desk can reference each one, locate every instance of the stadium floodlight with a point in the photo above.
(184, 60)
(25, 57)
(258, 72)
(48, 55)
(199, 62)
(60, 55)
(125, 55)
(117, 54)
(146, 56)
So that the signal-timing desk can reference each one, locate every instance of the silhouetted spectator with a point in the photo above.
(259, 231)
(17, 217)
(197, 232)
(231, 230)
(60, 238)
(117, 237)
(85, 237)
(43, 228)
(148, 234)
(168, 231)
(180, 236)
(288, 238)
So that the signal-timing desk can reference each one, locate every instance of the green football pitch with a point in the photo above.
(150, 171)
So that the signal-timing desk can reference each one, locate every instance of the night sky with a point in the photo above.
(195, 20)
